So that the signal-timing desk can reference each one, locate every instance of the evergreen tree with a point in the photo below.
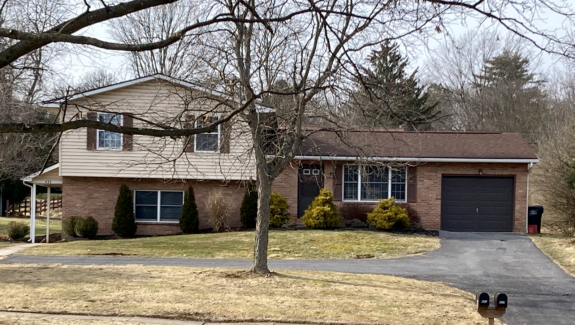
(124, 224)
(390, 97)
(249, 209)
(189, 221)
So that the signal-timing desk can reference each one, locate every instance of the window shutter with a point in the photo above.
(411, 184)
(225, 134)
(189, 140)
(337, 183)
(91, 132)
(127, 139)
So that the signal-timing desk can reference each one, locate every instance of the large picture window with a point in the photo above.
(109, 140)
(158, 205)
(207, 142)
(373, 183)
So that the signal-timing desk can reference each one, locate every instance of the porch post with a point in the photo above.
(48, 215)
(33, 214)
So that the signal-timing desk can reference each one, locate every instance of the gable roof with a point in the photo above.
(55, 103)
(417, 146)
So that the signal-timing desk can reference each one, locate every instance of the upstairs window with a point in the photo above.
(109, 140)
(373, 183)
(207, 142)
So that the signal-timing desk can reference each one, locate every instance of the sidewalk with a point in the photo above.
(132, 320)
(7, 251)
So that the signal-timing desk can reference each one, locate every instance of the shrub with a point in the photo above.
(388, 215)
(189, 220)
(17, 230)
(249, 209)
(322, 213)
(124, 223)
(218, 211)
(69, 226)
(86, 227)
(278, 210)
(359, 211)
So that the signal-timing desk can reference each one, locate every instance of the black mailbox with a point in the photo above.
(500, 300)
(482, 300)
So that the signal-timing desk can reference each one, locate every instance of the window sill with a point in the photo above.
(364, 201)
(157, 222)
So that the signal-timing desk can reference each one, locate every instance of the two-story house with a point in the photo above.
(454, 181)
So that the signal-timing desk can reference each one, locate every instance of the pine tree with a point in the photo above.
(189, 220)
(390, 97)
(124, 224)
(249, 208)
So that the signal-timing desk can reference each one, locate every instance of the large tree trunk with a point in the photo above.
(260, 264)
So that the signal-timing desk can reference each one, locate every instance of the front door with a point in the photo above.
(310, 182)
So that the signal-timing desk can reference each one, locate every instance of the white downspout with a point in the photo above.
(48, 216)
(527, 200)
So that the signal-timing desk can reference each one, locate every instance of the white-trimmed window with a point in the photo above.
(207, 142)
(373, 183)
(158, 206)
(107, 140)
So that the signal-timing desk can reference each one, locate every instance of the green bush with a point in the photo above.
(387, 215)
(86, 227)
(69, 225)
(322, 213)
(249, 209)
(189, 220)
(17, 230)
(278, 210)
(124, 224)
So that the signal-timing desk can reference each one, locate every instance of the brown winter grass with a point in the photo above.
(559, 248)
(232, 295)
(303, 244)
(27, 320)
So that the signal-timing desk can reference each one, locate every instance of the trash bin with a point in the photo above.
(534, 216)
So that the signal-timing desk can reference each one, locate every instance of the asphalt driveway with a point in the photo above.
(539, 291)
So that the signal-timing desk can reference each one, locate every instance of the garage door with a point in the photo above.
(477, 203)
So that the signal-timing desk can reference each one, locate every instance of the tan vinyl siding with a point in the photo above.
(153, 157)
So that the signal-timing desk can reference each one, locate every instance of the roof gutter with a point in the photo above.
(462, 160)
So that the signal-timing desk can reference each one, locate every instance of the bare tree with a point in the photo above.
(248, 46)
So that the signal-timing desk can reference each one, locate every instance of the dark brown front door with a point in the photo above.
(480, 204)
(310, 182)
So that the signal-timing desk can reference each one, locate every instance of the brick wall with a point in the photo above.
(96, 197)
(428, 205)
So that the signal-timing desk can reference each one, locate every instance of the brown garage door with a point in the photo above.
(477, 203)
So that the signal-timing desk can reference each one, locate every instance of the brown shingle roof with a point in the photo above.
(390, 144)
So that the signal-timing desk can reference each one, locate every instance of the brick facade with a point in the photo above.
(96, 197)
(429, 175)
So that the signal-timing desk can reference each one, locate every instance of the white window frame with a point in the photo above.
(98, 133)
(359, 168)
(217, 132)
(159, 206)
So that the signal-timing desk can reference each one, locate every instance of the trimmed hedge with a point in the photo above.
(86, 227)
(124, 224)
(322, 212)
(249, 209)
(18, 230)
(69, 225)
(279, 207)
(189, 220)
(387, 216)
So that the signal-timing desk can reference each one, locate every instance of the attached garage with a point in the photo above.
(476, 203)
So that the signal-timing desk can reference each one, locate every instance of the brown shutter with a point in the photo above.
(337, 182)
(411, 184)
(189, 140)
(91, 132)
(225, 134)
(127, 139)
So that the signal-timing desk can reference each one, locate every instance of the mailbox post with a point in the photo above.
(485, 309)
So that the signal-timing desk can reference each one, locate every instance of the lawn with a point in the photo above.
(8, 320)
(559, 248)
(55, 225)
(302, 244)
(232, 295)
